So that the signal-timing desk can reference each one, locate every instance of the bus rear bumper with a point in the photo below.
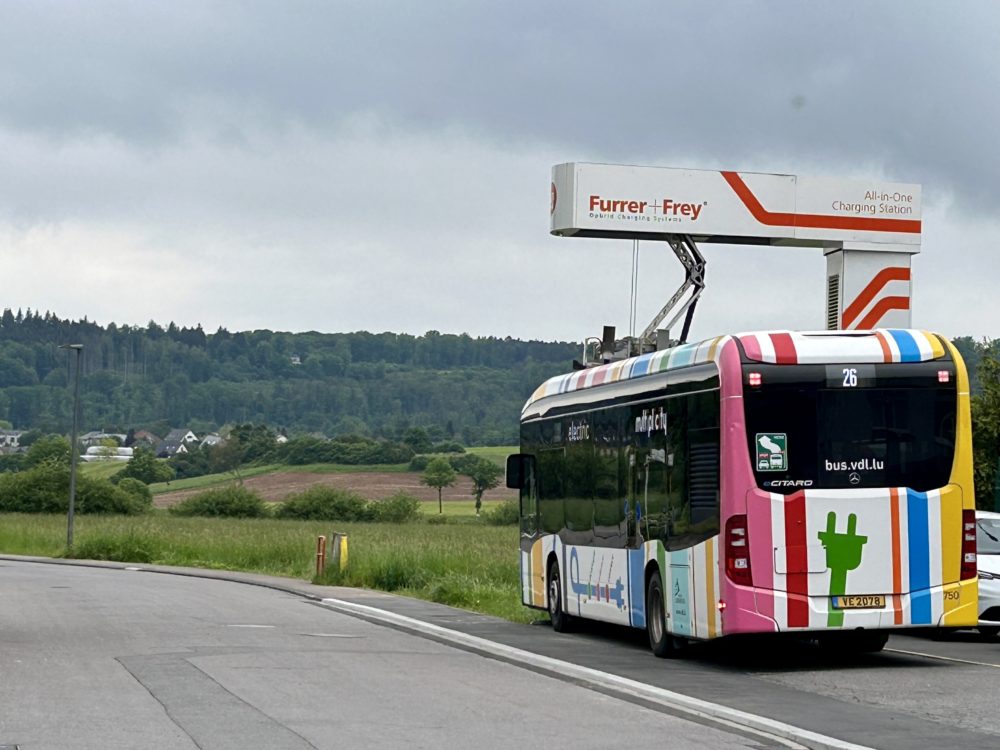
(763, 611)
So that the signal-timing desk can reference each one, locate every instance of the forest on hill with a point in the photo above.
(154, 377)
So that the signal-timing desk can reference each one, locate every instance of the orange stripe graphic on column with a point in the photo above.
(876, 285)
(815, 221)
(883, 306)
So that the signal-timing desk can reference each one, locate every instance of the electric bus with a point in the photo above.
(775, 482)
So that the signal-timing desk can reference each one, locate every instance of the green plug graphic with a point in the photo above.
(843, 553)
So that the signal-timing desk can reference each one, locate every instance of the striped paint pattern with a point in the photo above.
(912, 556)
(690, 579)
(833, 347)
(627, 369)
(775, 347)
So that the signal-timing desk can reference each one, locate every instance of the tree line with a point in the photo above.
(152, 377)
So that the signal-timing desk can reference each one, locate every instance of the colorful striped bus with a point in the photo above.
(814, 483)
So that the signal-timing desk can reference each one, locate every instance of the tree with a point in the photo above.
(439, 474)
(145, 467)
(418, 440)
(227, 457)
(255, 441)
(485, 475)
(109, 447)
(48, 449)
(986, 426)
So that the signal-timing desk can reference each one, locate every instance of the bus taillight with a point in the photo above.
(969, 567)
(738, 551)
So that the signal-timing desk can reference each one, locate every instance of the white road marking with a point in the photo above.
(943, 658)
(249, 626)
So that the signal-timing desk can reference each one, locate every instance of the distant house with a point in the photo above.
(145, 439)
(181, 435)
(180, 440)
(170, 448)
(212, 439)
(10, 440)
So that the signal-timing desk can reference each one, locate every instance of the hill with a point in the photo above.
(461, 387)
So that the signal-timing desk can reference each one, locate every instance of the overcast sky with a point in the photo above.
(385, 166)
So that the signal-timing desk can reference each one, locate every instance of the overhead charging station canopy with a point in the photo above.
(868, 230)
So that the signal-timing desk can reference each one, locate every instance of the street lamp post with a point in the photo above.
(72, 447)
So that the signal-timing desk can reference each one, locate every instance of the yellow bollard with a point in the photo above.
(343, 551)
(338, 550)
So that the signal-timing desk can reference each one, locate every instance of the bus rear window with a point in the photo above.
(812, 435)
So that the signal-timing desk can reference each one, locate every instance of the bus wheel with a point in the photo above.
(561, 622)
(664, 645)
(989, 631)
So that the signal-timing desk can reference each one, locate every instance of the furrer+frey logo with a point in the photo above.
(665, 209)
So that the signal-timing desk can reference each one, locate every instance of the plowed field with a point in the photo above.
(370, 485)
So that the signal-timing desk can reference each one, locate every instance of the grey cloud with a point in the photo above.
(906, 86)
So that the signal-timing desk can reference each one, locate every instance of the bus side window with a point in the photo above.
(552, 516)
(609, 508)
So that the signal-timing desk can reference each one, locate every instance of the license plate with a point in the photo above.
(859, 601)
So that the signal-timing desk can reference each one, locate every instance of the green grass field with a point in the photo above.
(101, 469)
(463, 562)
(468, 564)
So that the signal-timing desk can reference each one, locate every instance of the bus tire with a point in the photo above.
(664, 645)
(561, 622)
(989, 631)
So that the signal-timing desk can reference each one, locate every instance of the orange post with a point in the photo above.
(320, 554)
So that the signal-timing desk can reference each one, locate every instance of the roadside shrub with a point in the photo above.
(136, 489)
(131, 547)
(397, 508)
(228, 502)
(506, 513)
(45, 489)
(326, 504)
(104, 497)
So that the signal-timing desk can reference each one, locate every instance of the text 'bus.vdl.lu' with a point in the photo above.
(818, 483)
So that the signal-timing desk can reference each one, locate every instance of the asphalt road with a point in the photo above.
(109, 658)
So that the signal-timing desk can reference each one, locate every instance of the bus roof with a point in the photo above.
(770, 347)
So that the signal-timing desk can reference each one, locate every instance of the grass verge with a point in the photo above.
(464, 564)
